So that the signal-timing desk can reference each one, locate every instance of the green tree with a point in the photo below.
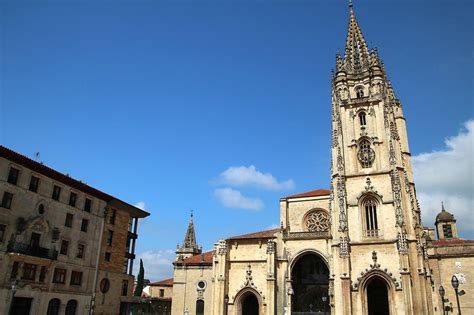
(140, 278)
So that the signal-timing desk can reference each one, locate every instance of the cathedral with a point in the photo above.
(358, 247)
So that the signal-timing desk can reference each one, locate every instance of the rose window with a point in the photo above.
(317, 221)
(366, 154)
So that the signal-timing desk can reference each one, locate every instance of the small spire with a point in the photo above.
(356, 54)
(442, 206)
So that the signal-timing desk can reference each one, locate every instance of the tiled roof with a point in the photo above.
(256, 235)
(163, 283)
(452, 241)
(65, 179)
(204, 259)
(312, 193)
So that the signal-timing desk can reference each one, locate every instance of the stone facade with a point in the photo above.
(52, 230)
(358, 248)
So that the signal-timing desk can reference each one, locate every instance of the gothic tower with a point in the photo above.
(189, 247)
(377, 254)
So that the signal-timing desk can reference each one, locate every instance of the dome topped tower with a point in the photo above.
(445, 224)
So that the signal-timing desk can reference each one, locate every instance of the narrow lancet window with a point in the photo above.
(362, 119)
(371, 224)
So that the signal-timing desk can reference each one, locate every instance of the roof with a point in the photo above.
(256, 235)
(312, 193)
(452, 241)
(67, 180)
(163, 283)
(445, 216)
(204, 259)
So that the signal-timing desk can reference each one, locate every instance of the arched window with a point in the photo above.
(366, 154)
(71, 307)
(362, 120)
(359, 92)
(371, 223)
(199, 307)
(53, 307)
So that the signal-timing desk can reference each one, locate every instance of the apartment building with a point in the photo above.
(67, 248)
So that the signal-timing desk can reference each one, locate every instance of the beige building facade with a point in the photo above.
(54, 235)
(357, 248)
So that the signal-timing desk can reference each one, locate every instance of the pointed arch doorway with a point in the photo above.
(310, 283)
(248, 303)
(377, 297)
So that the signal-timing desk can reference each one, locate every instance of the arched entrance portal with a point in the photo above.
(377, 297)
(249, 304)
(310, 282)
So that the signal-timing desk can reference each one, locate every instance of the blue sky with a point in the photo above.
(162, 102)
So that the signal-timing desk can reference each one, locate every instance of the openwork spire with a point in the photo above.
(190, 238)
(356, 56)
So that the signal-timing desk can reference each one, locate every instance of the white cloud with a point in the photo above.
(140, 205)
(232, 198)
(448, 175)
(249, 176)
(157, 264)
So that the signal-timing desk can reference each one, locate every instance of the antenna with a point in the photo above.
(37, 156)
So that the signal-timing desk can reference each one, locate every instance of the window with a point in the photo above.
(68, 222)
(113, 213)
(64, 247)
(53, 307)
(76, 278)
(362, 120)
(360, 92)
(7, 200)
(35, 240)
(107, 256)
(84, 225)
(13, 175)
(14, 272)
(124, 287)
(29, 271)
(42, 276)
(366, 154)
(110, 238)
(71, 307)
(3, 227)
(87, 205)
(199, 307)
(447, 231)
(41, 209)
(371, 224)
(72, 199)
(56, 192)
(80, 250)
(59, 275)
(34, 183)
(104, 285)
(162, 292)
(125, 264)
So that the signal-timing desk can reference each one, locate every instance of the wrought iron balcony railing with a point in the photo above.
(36, 251)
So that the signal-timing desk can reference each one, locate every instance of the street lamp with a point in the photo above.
(455, 284)
(13, 288)
(226, 303)
(442, 292)
(186, 312)
(324, 298)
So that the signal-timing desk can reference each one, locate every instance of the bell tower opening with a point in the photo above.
(310, 282)
(377, 297)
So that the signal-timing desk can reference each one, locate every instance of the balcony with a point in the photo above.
(36, 251)
(372, 233)
(306, 235)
